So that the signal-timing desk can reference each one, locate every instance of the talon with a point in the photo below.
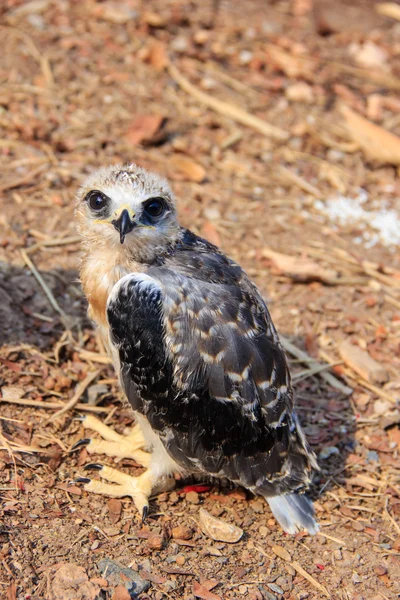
(82, 480)
(83, 442)
(145, 512)
(93, 467)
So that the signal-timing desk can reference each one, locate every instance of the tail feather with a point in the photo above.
(294, 512)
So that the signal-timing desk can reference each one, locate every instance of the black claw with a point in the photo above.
(81, 480)
(81, 443)
(145, 512)
(93, 467)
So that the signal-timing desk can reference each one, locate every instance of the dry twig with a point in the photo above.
(226, 109)
(80, 388)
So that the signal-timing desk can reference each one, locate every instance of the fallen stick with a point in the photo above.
(57, 405)
(226, 109)
(80, 388)
(304, 357)
(45, 288)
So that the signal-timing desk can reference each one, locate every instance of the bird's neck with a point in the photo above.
(99, 272)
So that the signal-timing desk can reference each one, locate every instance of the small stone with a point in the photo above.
(182, 533)
(155, 542)
(328, 451)
(154, 20)
(180, 560)
(71, 582)
(380, 570)
(258, 506)
(245, 57)
(337, 555)
(116, 574)
(193, 497)
(300, 92)
(382, 406)
(173, 497)
(264, 531)
(95, 391)
(201, 37)
(368, 55)
(49, 383)
(275, 588)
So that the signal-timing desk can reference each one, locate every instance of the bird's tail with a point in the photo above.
(294, 512)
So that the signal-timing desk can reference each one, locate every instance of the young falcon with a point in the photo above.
(197, 354)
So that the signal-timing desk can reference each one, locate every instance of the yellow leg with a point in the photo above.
(138, 488)
(113, 444)
(120, 484)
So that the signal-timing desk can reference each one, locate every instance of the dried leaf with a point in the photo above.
(114, 12)
(157, 56)
(310, 578)
(12, 392)
(121, 593)
(12, 591)
(188, 167)
(361, 362)
(217, 529)
(144, 127)
(292, 66)
(374, 141)
(202, 592)
(301, 269)
(282, 553)
(114, 508)
(71, 581)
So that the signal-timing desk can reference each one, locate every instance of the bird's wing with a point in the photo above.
(201, 359)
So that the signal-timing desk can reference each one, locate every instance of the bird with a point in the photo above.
(196, 352)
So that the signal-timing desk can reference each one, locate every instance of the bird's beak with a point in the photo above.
(123, 224)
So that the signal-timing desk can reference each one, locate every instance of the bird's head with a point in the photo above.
(128, 209)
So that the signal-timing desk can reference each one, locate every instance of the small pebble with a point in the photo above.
(180, 560)
(193, 497)
(182, 533)
(380, 570)
(328, 451)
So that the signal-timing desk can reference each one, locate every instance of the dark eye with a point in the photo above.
(96, 200)
(155, 207)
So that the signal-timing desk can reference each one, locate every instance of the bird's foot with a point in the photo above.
(138, 488)
(121, 484)
(114, 444)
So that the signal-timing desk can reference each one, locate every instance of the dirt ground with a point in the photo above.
(85, 84)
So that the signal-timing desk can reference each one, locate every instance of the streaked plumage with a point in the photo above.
(198, 356)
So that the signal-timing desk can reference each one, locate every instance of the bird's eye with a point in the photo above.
(155, 207)
(96, 200)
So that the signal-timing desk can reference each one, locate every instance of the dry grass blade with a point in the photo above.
(45, 288)
(80, 388)
(292, 177)
(362, 363)
(377, 76)
(86, 355)
(376, 142)
(310, 578)
(389, 9)
(226, 109)
(333, 539)
(301, 269)
(56, 405)
(24, 179)
(304, 357)
(49, 243)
